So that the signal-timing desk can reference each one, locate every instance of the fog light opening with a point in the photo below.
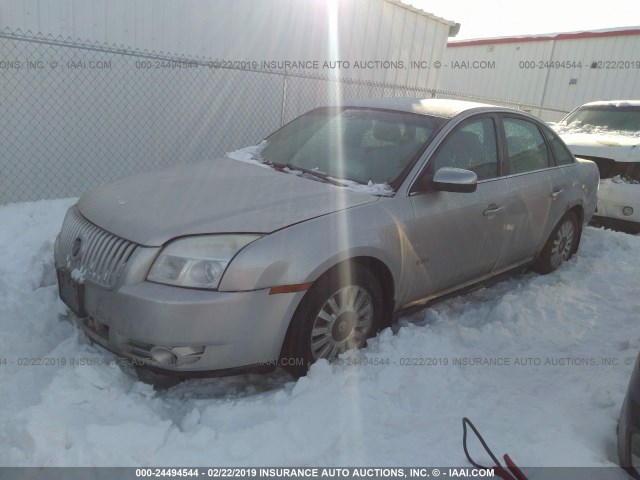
(163, 355)
(627, 211)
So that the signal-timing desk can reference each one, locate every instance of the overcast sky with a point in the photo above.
(498, 18)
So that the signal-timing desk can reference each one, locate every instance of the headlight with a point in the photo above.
(197, 262)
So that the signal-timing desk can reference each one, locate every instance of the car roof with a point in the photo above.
(437, 107)
(614, 103)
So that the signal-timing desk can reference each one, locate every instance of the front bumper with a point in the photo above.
(185, 330)
(629, 426)
(616, 224)
(612, 200)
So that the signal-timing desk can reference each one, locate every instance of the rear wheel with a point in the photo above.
(341, 310)
(560, 246)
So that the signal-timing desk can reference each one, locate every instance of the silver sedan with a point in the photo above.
(306, 245)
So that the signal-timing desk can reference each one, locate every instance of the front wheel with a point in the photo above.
(342, 309)
(560, 245)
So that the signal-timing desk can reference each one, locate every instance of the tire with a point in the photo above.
(342, 309)
(560, 246)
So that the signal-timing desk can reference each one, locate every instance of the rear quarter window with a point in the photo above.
(561, 153)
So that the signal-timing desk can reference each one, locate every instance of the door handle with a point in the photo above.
(493, 210)
(556, 192)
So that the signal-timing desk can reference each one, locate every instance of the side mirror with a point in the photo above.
(449, 179)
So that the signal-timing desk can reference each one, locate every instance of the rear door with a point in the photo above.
(457, 237)
(536, 190)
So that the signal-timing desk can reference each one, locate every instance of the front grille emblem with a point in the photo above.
(76, 247)
(100, 254)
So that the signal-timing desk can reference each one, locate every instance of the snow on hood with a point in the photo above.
(252, 155)
(614, 135)
(588, 140)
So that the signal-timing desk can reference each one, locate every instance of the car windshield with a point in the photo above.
(611, 117)
(361, 145)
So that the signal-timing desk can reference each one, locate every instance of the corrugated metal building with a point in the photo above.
(275, 31)
(559, 71)
(80, 112)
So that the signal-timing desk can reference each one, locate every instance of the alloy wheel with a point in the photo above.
(563, 243)
(343, 322)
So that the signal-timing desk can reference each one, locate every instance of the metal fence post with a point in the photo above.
(284, 98)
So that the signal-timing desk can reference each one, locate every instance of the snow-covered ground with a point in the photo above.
(561, 348)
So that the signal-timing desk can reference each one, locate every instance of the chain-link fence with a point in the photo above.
(545, 113)
(75, 114)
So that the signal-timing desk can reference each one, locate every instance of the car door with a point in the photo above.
(457, 237)
(536, 190)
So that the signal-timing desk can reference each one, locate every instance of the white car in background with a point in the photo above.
(608, 133)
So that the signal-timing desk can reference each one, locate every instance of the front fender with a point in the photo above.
(302, 252)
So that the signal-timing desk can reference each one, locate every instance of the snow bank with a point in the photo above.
(252, 155)
(539, 363)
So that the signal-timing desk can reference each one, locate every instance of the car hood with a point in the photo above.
(616, 147)
(216, 196)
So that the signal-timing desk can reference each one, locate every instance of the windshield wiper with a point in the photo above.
(313, 173)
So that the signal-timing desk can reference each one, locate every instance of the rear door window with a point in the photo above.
(527, 150)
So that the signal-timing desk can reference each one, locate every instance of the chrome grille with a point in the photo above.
(92, 253)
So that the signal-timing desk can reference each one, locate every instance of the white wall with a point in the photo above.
(67, 128)
(249, 30)
(548, 87)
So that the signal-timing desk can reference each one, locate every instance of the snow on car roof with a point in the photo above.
(616, 103)
(438, 107)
